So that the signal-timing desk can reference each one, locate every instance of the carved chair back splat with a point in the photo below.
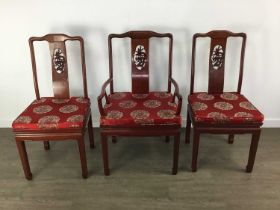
(140, 58)
(59, 63)
(217, 59)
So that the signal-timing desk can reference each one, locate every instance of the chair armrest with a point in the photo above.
(102, 95)
(177, 94)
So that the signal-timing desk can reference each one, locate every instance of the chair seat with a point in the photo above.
(53, 113)
(223, 108)
(127, 109)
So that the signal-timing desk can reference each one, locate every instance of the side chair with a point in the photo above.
(60, 117)
(216, 111)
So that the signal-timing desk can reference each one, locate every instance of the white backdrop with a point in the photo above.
(94, 20)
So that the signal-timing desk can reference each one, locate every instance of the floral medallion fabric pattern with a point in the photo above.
(114, 115)
(247, 105)
(41, 100)
(205, 97)
(152, 103)
(127, 109)
(42, 109)
(229, 96)
(139, 114)
(76, 118)
(166, 114)
(199, 106)
(50, 121)
(127, 104)
(23, 120)
(223, 105)
(53, 113)
(221, 108)
(68, 108)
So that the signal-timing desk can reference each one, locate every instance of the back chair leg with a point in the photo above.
(24, 159)
(90, 132)
(253, 151)
(83, 158)
(230, 138)
(176, 153)
(167, 139)
(114, 139)
(188, 129)
(196, 137)
(46, 145)
(104, 144)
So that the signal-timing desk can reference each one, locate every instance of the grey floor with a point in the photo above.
(140, 175)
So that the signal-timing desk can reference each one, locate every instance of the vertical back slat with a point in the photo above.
(217, 65)
(217, 59)
(59, 63)
(140, 65)
(59, 69)
(140, 58)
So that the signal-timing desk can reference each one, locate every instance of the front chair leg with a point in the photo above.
(196, 136)
(114, 139)
(230, 138)
(90, 133)
(104, 144)
(188, 129)
(253, 151)
(83, 158)
(176, 153)
(24, 159)
(46, 145)
(167, 139)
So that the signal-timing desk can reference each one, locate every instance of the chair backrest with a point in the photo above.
(217, 59)
(59, 63)
(140, 58)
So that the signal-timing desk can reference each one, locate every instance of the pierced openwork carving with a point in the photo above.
(140, 57)
(217, 57)
(58, 60)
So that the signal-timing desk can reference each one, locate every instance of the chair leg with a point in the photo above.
(188, 129)
(253, 151)
(230, 138)
(167, 139)
(176, 154)
(195, 150)
(114, 139)
(46, 145)
(24, 159)
(83, 158)
(104, 144)
(90, 133)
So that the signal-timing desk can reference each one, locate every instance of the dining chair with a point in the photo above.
(217, 111)
(140, 111)
(59, 117)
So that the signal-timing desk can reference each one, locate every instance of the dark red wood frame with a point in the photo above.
(140, 84)
(216, 83)
(61, 90)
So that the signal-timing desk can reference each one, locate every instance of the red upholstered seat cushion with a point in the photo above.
(127, 109)
(222, 108)
(51, 113)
